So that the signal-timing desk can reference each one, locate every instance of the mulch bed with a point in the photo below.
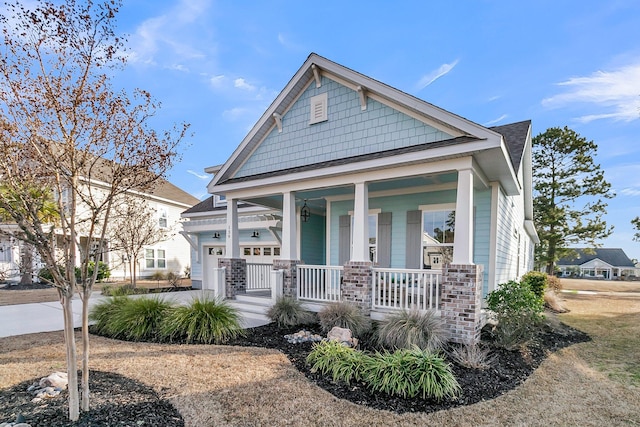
(115, 401)
(125, 401)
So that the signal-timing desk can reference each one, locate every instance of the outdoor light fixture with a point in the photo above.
(305, 212)
(216, 235)
(255, 234)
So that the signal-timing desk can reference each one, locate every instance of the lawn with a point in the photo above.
(593, 383)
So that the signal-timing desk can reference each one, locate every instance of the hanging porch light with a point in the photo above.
(305, 212)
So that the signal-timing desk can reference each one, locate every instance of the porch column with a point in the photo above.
(361, 223)
(462, 302)
(235, 267)
(463, 240)
(289, 248)
(233, 236)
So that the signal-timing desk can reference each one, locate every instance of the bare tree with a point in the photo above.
(66, 135)
(135, 227)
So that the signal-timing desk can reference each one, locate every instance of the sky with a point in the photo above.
(218, 65)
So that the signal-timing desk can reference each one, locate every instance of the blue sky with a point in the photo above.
(219, 64)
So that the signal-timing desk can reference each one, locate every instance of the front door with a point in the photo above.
(211, 256)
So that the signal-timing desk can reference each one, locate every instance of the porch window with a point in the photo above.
(438, 230)
(155, 258)
(373, 236)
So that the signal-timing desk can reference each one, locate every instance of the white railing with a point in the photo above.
(217, 283)
(319, 282)
(406, 289)
(258, 276)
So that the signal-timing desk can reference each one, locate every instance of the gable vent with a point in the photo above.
(318, 108)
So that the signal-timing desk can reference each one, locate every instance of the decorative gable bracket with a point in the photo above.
(278, 118)
(316, 75)
(362, 92)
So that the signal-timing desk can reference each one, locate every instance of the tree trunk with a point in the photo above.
(72, 362)
(86, 294)
(26, 264)
(134, 271)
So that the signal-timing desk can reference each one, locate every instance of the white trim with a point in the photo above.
(437, 207)
(318, 108)
(493, 235)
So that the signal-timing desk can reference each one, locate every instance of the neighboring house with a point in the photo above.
(376, 197)
(171, 255)
(603, 263)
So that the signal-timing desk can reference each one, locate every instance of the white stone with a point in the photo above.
(339, 334)
(57, 380)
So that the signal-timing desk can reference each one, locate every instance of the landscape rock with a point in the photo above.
(342, 335)
(302, 336)
(57, 380)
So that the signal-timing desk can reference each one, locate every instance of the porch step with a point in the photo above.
(251, 306)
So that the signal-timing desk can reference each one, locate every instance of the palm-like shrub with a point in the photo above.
(134, 319)
(205, 320)
(412, 328)
(410, 373)
(344, 315)
(289, 312)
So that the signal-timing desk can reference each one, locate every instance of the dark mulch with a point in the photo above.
(510, 368)
(19, 287)
(115, 401)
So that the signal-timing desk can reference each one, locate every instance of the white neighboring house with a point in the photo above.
(171, 255)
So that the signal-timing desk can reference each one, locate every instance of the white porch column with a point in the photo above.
(463, 240)
(361, 223)
(233, 235)
(289, 248)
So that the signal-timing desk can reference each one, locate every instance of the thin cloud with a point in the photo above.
(242, 84)
(197, 175)
(427, 79)
(614, 92)
(234, 113)
(218, 81)
(494, 121)
(630, 191)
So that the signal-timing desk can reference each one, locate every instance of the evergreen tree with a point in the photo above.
(636, 224)
(569, 194)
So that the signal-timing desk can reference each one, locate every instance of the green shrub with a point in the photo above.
(411, 373)
(205, 320)
(343, 363)
(137, 319)
(289, 312)
(537, 282)
(45, 274)
(344, 315)
(518, 312)
(157, 276)
(102, 313)
(409, 328)
(128, 289)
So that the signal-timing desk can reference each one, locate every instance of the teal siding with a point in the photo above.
(312, 243)
(482, 234)
(398, 206)
(348, 132)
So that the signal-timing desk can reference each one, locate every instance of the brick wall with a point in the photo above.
(235, 275)
(357, 284)
(290, 279)
(462, 302)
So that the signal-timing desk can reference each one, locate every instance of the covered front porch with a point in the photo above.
(383, 245)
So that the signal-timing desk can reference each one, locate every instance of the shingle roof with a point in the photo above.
(207, 206)
(167, 190)
(612, 256)
(515, 136)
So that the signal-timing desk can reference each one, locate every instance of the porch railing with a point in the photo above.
(258, 276)
(319, 282)
(406, 289)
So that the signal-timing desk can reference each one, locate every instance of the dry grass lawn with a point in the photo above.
(582, 385)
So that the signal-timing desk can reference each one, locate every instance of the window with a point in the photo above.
(373, 236)
(155, 258)
(162, 217)
(438, 230)
(318, 109)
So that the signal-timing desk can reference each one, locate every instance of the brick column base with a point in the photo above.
(290, 279)
(235, 276)
(357, 285)
(462, 302)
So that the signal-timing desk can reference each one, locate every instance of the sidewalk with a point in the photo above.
(47, 316)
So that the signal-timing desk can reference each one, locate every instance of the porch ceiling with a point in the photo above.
(316, 198)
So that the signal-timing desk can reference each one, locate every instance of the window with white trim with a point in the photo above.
(438, 231)
(373, 235)
(155, 258)
(162, 217)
